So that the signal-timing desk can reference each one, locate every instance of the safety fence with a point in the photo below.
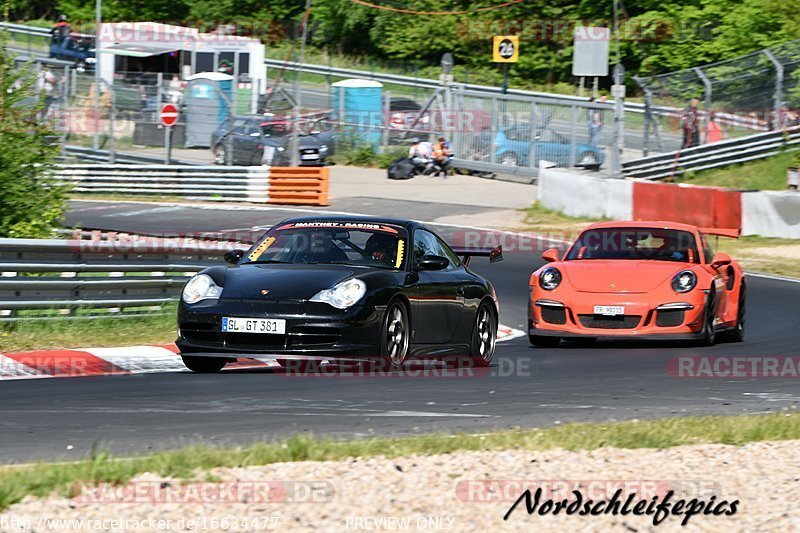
(90, 278)
(246, 184)
(713, 155)
(760, 90)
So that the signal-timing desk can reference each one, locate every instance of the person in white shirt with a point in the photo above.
(419, 153)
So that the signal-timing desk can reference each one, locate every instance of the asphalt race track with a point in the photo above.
(527, 386)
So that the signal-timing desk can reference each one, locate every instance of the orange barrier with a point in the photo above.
(701, 206)
(299, 185)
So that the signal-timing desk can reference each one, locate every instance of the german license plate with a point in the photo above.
(253, 325)
(309, 156)
(609, 310)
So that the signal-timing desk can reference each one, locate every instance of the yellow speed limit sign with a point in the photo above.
(505, 49)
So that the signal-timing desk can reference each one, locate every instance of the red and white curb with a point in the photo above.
(124, 361)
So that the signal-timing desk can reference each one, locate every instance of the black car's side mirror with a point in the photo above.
(233, 257)
(432, 262)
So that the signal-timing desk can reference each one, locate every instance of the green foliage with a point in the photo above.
(389, 156)
(762, 174)
(656, 36)
(360, 155)
(30, 204)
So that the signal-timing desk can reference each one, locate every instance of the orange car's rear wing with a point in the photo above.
(733, 233)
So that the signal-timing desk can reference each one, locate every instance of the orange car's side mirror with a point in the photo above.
(550, 255)
(721, 259)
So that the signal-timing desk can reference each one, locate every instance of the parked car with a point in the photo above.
(260, 140)
(513, 147)
(403, 113)
(77, 47)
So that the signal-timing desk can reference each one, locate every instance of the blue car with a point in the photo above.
(513, 147)
(77, 47)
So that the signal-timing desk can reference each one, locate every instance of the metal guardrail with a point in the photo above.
(247, 184)
(135, 275)
(25, 29)
(102, 156)
(713, 155)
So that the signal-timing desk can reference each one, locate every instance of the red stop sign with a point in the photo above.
(169, 114)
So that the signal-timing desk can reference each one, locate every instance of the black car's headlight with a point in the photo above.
(200, 287)
(549, 278)
(684, 281)
(343, 295)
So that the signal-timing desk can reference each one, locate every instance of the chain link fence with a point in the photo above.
(752, 93)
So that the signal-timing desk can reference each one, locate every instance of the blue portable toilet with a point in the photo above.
(359, 104)
(209, 103)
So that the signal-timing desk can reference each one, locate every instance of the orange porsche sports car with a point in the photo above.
(638, 280)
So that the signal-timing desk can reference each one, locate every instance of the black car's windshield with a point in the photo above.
(340, 243)
(635, 243)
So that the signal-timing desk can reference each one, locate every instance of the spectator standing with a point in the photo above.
(46, 84)
(713, 130)
(175, 90)
(690, 124)
(595, 121)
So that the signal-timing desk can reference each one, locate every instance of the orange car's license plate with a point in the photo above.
(609, 310)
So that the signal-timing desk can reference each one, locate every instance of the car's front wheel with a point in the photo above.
(709, 331)
(509, 158)
(737, 334)
(220, 155)
(589, 160)
(484, 336)
(204, 365)
(395, 335)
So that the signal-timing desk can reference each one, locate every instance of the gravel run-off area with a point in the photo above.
(464, 491)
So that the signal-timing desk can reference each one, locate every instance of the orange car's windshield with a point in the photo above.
(656, 244)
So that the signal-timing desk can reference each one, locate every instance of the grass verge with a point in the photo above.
(762, 174)
(193, 462)
(543, 220)
(764, 254)
(73, 333)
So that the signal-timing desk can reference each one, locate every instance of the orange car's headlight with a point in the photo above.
(550, 278)
(684, 281)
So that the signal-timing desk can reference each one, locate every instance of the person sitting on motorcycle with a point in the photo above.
(61, 30)
(441, 156)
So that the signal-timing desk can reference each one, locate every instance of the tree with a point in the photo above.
(31, 203)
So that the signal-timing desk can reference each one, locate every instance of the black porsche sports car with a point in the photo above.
(355, 288)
